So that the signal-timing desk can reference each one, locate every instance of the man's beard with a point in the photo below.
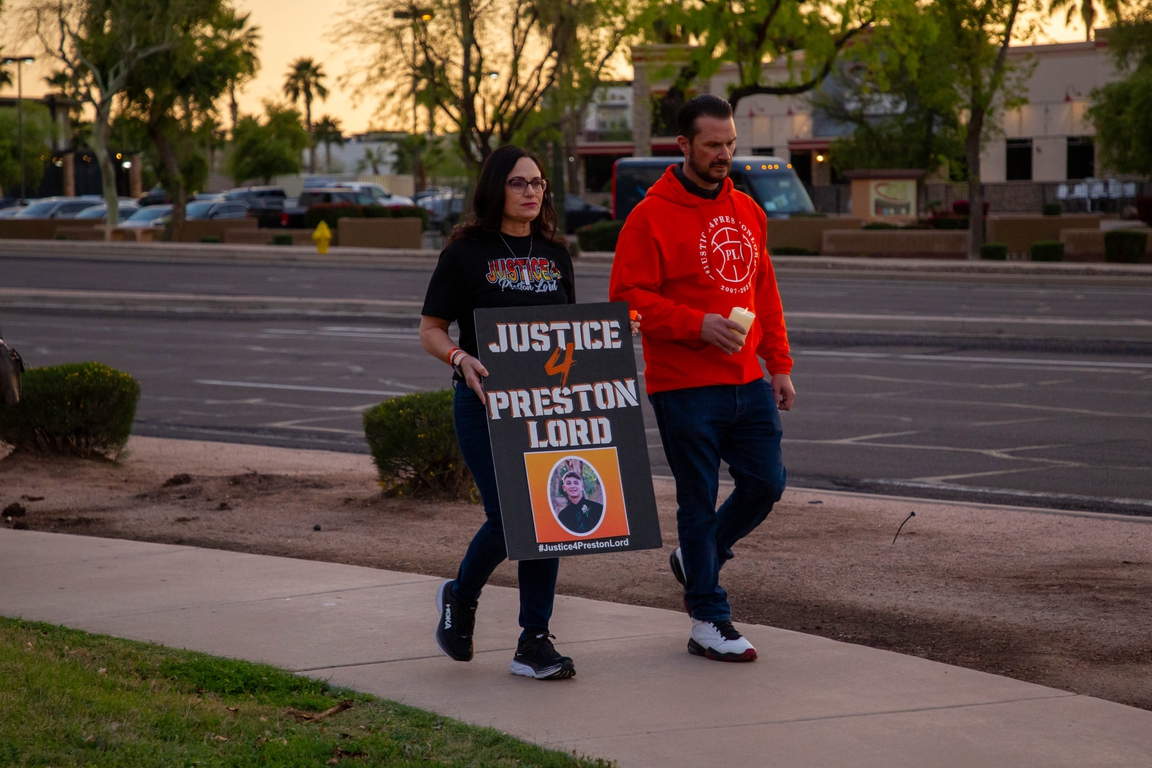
(714, 173)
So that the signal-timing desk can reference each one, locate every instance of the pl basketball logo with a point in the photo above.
(729, 254)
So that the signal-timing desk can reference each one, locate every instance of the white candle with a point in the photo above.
(743, 317)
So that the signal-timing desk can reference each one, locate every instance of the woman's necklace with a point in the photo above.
(530, 243)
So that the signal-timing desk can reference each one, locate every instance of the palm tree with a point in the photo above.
(1087, 12)
(305, 80)
(5, 77)
(373, 158)
(328, 132)
(245, 40)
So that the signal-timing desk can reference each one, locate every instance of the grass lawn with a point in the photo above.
(68, 698)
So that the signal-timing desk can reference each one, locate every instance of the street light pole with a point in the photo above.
(20, 61)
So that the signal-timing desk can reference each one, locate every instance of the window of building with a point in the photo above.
(802, 164)
(764, 151)
(1081, 157)
(1019, 160)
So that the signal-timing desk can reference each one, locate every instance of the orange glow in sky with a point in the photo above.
(294, 28)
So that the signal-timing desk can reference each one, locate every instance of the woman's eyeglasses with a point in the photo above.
(520, 185)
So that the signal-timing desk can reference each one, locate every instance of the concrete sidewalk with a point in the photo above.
(638, 698)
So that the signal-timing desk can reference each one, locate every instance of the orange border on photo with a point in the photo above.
(607, 465)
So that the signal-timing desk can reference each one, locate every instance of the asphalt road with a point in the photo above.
(1034, 427)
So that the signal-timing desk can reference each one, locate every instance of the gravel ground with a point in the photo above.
(1063, 600)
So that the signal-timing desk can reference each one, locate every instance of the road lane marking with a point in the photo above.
(298, 388)
(993, 360)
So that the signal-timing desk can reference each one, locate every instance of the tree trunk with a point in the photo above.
(311, 140)
(172, 167)
(975, 187)
(100, 131)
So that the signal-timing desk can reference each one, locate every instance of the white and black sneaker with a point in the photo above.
(536, 657)
(719, 641)
(457, 618)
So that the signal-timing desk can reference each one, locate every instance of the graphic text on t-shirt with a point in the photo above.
(523, 274)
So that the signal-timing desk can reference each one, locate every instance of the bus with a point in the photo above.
(769, 181)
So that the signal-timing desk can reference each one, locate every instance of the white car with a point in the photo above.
(382, 196)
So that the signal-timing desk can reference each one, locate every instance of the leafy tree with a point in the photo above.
(1122, 111)
(37, 133)
(328, 131)
(246, 38)
(6, 77)
(261, 150)
(175, 93)
(97, 45)
(305, 80)
(485, 67)
(976, 35)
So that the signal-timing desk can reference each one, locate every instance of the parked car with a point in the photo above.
(215, 196)
(155, 216)
(98, 213)
(58, 207)
(383, 196)
(293, 215)
(578, 212)
(265, 203)
(9, 202)
(8, 213)
(444, 210)
(154, 196)
(209, 209)
(769, 181)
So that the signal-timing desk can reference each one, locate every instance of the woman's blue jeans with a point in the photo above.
(700, 427)
(487, 550)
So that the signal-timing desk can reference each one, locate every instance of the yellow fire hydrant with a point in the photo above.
(322, 236)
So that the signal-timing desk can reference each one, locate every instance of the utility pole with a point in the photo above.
(20, 61)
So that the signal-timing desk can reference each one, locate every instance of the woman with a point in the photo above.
(512, 218)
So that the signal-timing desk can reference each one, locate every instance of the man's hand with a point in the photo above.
(785, 392)
(723, 333)
(474, 373)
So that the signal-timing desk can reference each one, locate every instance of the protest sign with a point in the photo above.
(567, 432)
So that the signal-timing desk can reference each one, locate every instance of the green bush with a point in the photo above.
(211, 239)
(82, 409)
(413, 442)
(600, 236)
(790, 250)
(948, 221)
(880, 225)
(1047, 250)
(1052, 209)
(994, 251)
(1123, 246)
(331, 213)
(284, 238)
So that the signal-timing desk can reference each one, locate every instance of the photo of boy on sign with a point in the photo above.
(577, 496)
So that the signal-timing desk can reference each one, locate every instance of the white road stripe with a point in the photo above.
(297, 387)
(992, 360)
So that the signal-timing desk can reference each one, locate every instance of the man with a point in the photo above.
(581, 515)
(690, 252)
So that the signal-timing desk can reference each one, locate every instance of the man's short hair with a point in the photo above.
(706, 105)
(574, 474)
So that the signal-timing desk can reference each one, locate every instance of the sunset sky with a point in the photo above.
(293, 28)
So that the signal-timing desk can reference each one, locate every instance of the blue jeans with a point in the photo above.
(487, 550)
(699, 427)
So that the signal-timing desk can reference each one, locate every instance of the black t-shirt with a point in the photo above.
(497, 270)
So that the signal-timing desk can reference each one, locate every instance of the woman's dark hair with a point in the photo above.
(706, 105)
(488, 201)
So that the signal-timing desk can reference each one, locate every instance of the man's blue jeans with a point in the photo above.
(487, 550)
(699, 427)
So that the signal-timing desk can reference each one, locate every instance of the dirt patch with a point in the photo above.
(1060, 600)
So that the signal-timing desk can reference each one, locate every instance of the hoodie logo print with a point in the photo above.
(728, 254)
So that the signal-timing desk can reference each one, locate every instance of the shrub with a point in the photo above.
(414, 446)
(600, 236)
(411, 212)
(791, 250)
(808, 215)
(82, 409)
(331, 213)
(283, 238)
(994, 251)
(880, 225)
(948, 221)
(1052, 209)
(1123, 246)
(211, 239)
(1047, 250)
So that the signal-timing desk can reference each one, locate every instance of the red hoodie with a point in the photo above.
(680, 257)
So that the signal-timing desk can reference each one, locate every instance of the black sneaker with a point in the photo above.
(676, 561)
(457, 618)
(536, 657)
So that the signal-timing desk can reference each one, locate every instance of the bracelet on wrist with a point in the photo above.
(448, 358)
